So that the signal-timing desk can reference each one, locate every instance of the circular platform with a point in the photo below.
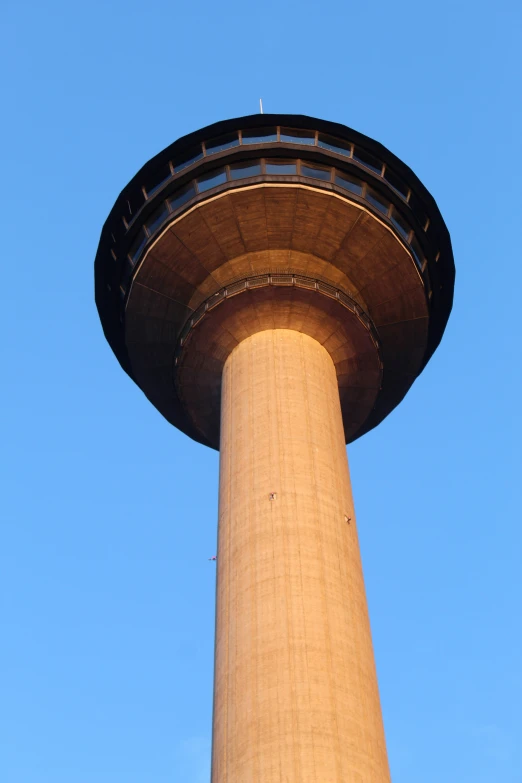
(273, 221)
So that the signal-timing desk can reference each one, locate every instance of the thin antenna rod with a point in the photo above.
(261, 105)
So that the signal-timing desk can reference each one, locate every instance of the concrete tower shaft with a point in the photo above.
(296, 695)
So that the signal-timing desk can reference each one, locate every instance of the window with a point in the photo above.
(196, 155)
(367, 160)
(211, 180)
(223, 143)
(157, 218)
(137, 246)
(349, 183)
(335, 145)
(316, 173)
(417, 209)
(417, 253)
(259, 136)
(297, 136)
(431, 233)
(396, 183)
(280, 167)
(400, 224)
(157, 180)
(133, 203)
(247, 169)
(377, 201)
(181, 197)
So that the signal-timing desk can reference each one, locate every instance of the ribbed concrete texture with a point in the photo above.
(296, 697)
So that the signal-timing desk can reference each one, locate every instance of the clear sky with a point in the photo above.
(108, 514)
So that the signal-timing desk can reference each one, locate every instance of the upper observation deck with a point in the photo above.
(273, 221)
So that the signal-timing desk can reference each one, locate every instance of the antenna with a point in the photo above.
(261, 105)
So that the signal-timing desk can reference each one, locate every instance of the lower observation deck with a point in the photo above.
(277, 301)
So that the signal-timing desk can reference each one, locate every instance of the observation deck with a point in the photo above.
(268, 222)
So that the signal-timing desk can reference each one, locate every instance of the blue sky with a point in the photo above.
(109, 514)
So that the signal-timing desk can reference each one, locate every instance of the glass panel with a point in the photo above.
(349, 183)
(396, 182)
(157, 180)
(247, 169)
(311, 171)
(189, 161)
(211, 180)
(280, 167)
(417, 253)
(133, 204)
(431, 233)
(259, 136)
(417, 209)
(138, 245)
(181, 197)
(157, 218)
(335, 145)
(378, 201)
(223, 143)
(400, 224)
(367, 160)
(297, 136)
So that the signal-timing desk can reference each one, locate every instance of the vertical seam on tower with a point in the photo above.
(229, 566)
(309, 440)
(286, 561)
(297, 712)
(303, 613)
(334, 411)
(328, 639)
(275, 389)
(254, 560)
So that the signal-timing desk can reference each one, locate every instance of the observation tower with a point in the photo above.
(274, 284)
